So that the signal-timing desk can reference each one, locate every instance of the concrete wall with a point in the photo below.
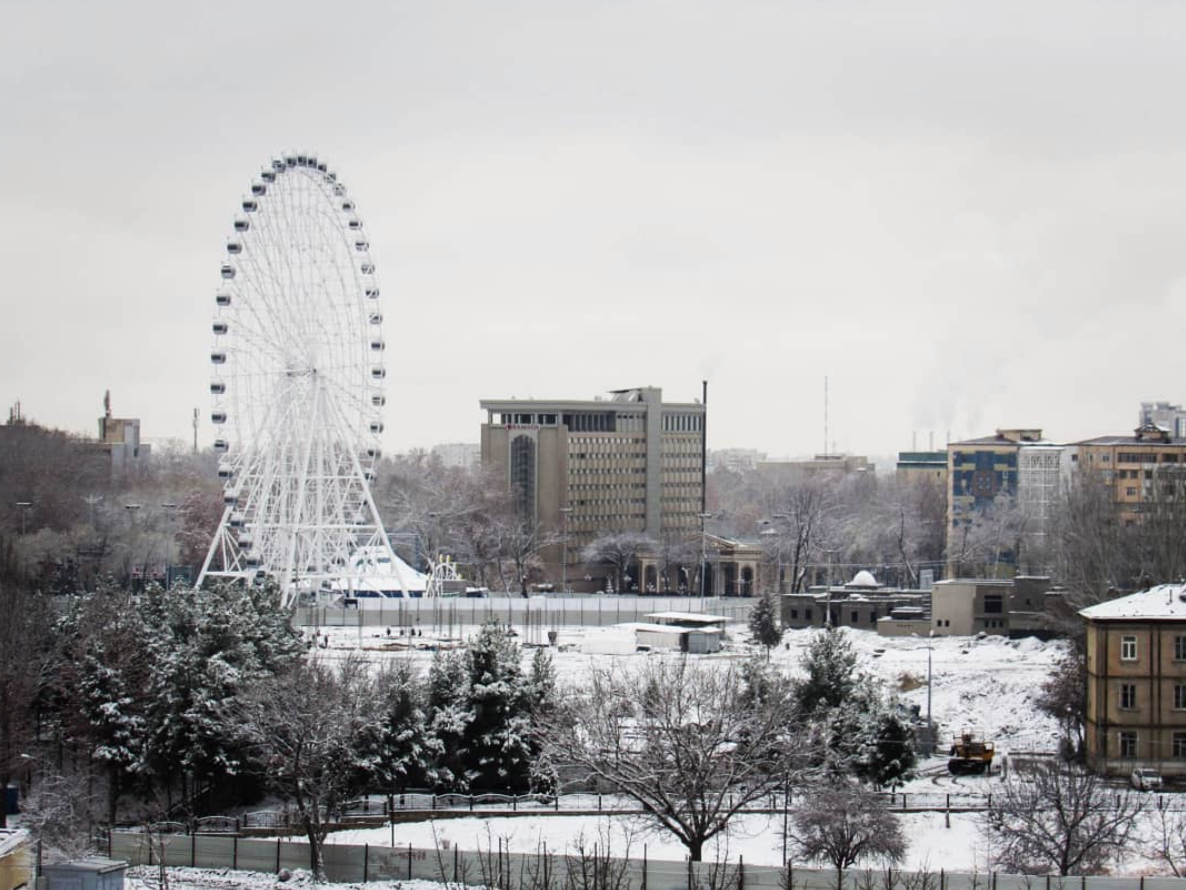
(395, 862)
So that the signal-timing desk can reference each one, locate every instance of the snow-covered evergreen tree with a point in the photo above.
(449, 717)
(763, 621)
(395, 745)
(831, 667)
(860, 730)
(498, 736)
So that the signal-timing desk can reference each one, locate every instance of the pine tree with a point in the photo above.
(831, 666)
(763, 621)
(449, 717)
(497, 737)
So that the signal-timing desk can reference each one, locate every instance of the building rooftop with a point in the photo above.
(11, 838)
(1007, 437)
(688, 617)
(1163, 601)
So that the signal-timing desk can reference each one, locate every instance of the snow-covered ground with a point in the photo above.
(987, 684)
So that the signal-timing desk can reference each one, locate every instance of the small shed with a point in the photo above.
(94, 873)
(693, 640)
(695, 620)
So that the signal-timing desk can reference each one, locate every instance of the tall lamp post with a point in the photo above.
(930, 725)
(703, 556)
(170, 509)
(778, 517)
(24, 507)
(564, 511)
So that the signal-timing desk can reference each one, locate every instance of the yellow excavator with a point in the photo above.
(970, 754)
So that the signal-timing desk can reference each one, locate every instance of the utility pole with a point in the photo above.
(564, 511)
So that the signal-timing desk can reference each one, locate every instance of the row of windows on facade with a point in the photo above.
(605, 421)
(855, 617)
(616, 444)
(1128, 741)
(1127, 694)
(1135, 457)
(1129, 650)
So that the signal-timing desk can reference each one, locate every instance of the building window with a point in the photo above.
(1128, 743)
(855, 617)
(1179, 745)
(807, 614)
(1128, 696)
(794, 614)
(1179, 697)
(1128, 648)
(994, 604)
(523, 476)
(1179, 648)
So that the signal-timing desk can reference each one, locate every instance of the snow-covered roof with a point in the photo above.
(11, 838)
(672, 628)
(863, 578)
(689, 617)
(1165, 601)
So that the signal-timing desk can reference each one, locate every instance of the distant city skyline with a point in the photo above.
(965, 216)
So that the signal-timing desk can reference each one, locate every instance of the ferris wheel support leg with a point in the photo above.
(214, 545)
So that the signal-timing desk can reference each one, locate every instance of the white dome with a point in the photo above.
(863, 578)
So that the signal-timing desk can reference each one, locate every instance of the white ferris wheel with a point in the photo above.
(298, 384)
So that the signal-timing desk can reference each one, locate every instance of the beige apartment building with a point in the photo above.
(1136, 682)
(585, 468)
(1134, 466)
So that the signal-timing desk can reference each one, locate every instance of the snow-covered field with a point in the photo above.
(987, 684)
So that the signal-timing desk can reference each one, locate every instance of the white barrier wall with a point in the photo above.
(543, 871)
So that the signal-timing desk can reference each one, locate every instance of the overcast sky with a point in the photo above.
(965, 215)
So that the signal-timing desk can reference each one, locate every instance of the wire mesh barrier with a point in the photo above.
(532, 618)
(557, 870)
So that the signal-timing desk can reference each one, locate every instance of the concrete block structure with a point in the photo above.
(964, 607)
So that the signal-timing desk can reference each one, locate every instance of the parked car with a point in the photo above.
(1145, 779)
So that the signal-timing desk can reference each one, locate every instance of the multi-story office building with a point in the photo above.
(1134, 466)
(628, 462)
(1014, 464)
(1136, 682)
(1171, 418)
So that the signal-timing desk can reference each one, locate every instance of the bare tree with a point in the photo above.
(616, 549)
(1060, 817)
(301, 727)
(25, 663)
(691, 745)
(843, 823)
(1168, 843)
(1090, 552)
(1064, 697)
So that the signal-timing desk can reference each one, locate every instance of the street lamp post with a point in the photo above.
(24, 507)
(930, 725)
(170, 508)
(778, 517)
(703, 556)
(564, 511)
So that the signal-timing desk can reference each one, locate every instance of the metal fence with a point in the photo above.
(532, 618)
(556, 870)
(376, 807)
